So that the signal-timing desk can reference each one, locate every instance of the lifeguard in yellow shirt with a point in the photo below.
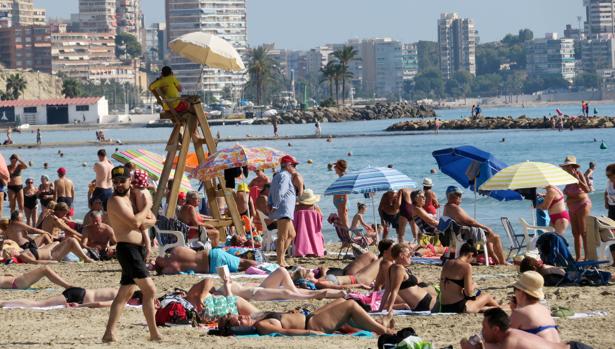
(170, 90)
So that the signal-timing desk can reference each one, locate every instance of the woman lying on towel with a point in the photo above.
(28, 279)
(50, 253)
(277, 286)
(458, 292)
(401, 282)
(75, 297)
(330, 318)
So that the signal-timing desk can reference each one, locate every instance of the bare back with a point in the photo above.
(103, 174)
(64, 187)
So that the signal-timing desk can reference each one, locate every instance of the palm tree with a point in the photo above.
(15, 85)
(328, 74)
(71, 88)
(344, 55)
(262, 69)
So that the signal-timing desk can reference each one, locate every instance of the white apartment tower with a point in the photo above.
(20, 13)
(224, 18)
(551, 56)
(97, 16)
(457, 44)
(600, 19)
(130, 18)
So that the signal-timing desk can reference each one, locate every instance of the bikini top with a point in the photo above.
(573, 189)
(460, 283)
(273, 315)
(411, 281)
(16, 172)
(537, 330)
(555, 201)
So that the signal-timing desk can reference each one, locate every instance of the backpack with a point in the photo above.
(395, 338)
(174, 309)
(553, 250)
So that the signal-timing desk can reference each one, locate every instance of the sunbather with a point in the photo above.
(552, 276)
(386, 260)
(340, 279)
(401, 282)
(277, 286)
(28, 279)
(74, 297)
(184, 259)
(529, 315)
(52, 253)
(205, 288)
(327, 319)
(458, 292)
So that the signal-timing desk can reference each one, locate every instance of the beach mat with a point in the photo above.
(233, 276)
(364, 334)
(56, 307)
(585, 315)
(409, 313)
(427, 260)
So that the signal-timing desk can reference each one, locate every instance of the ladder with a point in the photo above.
(192, 127)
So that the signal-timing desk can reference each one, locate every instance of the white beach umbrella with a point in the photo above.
(207, 49)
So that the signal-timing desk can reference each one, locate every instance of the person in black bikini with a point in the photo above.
(458, 292)
(74, 297)
(45, 191)
(15, 184)
(30, 196)
(400, 282)
(327, 319)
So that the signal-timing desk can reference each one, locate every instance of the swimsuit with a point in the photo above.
(31, 246)
(218, 257)
(103, 195)
(15, 188)
(405, 209)
(411, 281)
(429, 207)
(74, 295)
(457, 307)
(554, 217)
(339, 201)
(29, 201)
(132, 260)
(41, 193)
(393, 220)
(334, 279)
(576, 206)
(537, 330)
(67, 200)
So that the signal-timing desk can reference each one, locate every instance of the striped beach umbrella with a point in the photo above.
(528, 175)
(255, 158)
(149, 162)
(370, 180)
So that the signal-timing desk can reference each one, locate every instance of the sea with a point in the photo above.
(408, 153)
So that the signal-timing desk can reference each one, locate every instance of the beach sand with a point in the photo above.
(73, 328)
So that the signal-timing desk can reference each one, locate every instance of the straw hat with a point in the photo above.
(531, 283)
(570, 160)
(308, 197)
(427, 182)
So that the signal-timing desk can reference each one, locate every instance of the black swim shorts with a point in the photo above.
(132, 261)
(74, 295)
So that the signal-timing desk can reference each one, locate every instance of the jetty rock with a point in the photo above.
(378, 111)
(503, 123)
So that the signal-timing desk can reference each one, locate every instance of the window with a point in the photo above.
(30, 110)
(83, 108)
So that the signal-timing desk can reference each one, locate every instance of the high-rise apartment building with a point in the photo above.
(224, 18)
(130, 18)
(410, 61)
(156, 41)
(318, 58)
(20, 13)
(381, 65)
(26, 47)
(551, 56)
(97, 16)
(457, 39)
(597, 54)
(600, 18)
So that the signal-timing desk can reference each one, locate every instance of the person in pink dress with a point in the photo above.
(308, 225)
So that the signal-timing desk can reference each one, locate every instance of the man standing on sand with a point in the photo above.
(103, 169)
(132, 249)
(283, 198)
(64, 189)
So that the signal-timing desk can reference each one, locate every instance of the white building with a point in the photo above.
(156, 42)
(54, 111)
(97, 16)
(20, 13)
(600, 18)
(224, 18)
(130, 19)
(410, 61)
(551, 56)
(457, 39)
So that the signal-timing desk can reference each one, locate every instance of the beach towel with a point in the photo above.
(309, 240)
(364, 334)
(584, 315)
(56, 307)
(426, 261)
(233, 276)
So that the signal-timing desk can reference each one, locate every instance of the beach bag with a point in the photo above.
(395, 338)
(553, 250)
(176, 310)
(413, 342)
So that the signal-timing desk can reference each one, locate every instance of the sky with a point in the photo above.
(303, 24)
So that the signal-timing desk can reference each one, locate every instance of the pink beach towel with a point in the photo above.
(309, 239)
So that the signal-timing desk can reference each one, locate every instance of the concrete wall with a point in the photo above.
(92, 116)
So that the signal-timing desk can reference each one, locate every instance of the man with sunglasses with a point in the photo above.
(132, 248)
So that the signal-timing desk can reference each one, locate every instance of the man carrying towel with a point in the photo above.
(132, 247)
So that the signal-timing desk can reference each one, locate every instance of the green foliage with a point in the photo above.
(15, 85)
(587, 80)
(487, 85)
(428, 57)
(428, 84)
(329, 102)
(127, 44)
(344, 56)
(71, 88)
(263, 72)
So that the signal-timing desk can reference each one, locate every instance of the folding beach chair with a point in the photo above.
(601, 236)
(533, 237)
(347, 236)
(171, 232)
(517, 241)
(453, 231)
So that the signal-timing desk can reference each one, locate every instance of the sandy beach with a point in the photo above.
(75, 328)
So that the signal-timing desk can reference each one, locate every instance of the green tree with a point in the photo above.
(428, 84)
(428, 56)
(328, 74)
(262, 70)
(587, 80)
(487, 85)
(15, 86)
(127, 44)
(525, 35)
(71, 88)
(344, 56)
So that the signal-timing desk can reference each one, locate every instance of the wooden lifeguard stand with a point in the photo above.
(192, 127)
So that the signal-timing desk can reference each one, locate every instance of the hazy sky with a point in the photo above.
(302, 24)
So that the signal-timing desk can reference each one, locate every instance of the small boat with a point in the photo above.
(159, 123)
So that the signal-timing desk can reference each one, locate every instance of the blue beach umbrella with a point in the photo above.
(471, 167)
(368, 181)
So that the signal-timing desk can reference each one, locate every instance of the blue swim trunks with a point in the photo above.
(218, 257)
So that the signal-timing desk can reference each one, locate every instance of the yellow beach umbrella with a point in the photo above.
(207, 49)
(528, 175)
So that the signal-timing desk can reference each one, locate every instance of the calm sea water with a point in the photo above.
(410, 154)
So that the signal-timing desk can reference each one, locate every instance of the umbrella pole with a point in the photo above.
(375, 220)
(475, 197)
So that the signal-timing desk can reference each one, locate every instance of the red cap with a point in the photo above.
(181, 195)
(288, 159)
(62, 171)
